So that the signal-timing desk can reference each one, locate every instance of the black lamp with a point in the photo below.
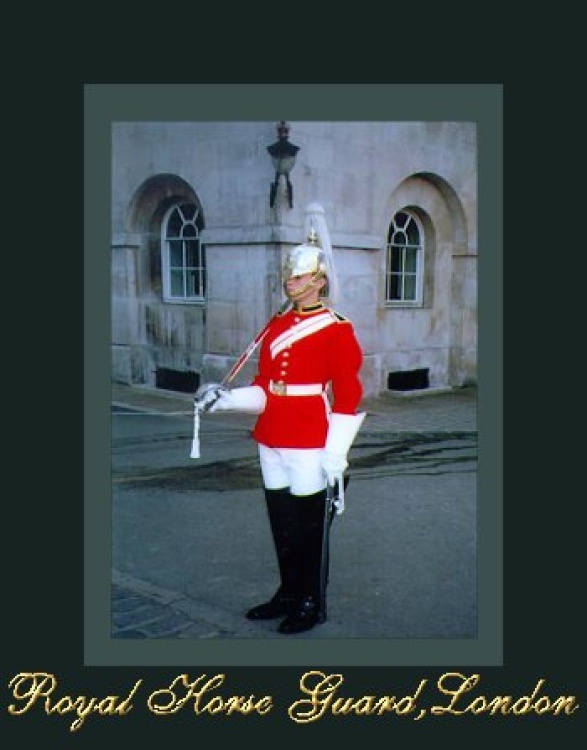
(283, 157)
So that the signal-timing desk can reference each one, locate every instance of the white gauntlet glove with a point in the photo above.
(207, 395)
(213, 397)
(251, 399)
(342, 430)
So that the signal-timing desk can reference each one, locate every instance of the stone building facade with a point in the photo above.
(201, 223)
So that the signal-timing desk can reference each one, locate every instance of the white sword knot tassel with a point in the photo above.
(205, 398)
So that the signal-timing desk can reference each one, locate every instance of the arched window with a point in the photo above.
(183, 255)
(404, 265)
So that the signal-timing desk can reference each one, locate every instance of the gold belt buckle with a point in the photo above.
(279, 388)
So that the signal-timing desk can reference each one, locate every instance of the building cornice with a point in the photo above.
(271, 235)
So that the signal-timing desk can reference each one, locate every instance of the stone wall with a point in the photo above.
(362, 173)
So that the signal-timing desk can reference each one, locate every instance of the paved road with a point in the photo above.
(191, 542)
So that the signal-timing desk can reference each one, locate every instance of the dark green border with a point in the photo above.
(107, 103)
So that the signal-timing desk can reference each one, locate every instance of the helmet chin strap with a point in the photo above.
(303, 289)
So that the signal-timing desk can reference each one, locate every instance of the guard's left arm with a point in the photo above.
(345, 359)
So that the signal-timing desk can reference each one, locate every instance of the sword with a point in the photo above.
(332, 494)
(205, 404)
(209, 393)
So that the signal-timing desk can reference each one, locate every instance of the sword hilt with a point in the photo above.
(203, 398)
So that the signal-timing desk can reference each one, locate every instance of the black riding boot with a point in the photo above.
(313, 566)
(284, 519)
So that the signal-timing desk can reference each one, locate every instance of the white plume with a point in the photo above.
(315, 218)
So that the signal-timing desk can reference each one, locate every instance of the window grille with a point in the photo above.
(404, 261)
(184, 255)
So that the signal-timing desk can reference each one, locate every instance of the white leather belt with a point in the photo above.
(279, 388)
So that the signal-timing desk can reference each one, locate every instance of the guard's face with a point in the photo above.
(296, 282)
(304, 289)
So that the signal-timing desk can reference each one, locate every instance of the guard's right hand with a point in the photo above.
(208, 396)
(251, 399)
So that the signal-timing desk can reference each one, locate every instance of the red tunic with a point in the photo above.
(316, 345)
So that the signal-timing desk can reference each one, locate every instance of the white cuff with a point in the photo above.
(342, 430)
(250, 399)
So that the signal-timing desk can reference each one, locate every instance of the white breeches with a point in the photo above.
(300, 469)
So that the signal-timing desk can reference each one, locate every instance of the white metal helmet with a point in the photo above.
(315, 255)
